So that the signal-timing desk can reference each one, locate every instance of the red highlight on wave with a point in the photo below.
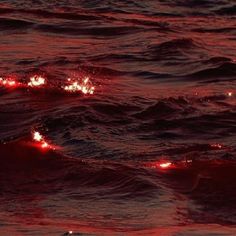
(36, 81)
(79, 85)
(9, 82)
(165, 165)
(38, 138)
(162, 165)
(75, 85)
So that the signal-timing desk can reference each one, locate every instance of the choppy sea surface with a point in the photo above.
(165, 79)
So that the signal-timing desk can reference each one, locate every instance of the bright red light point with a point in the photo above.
(44, 145)
(165, 165)
(37, 136)
(36, 81)
(77, 85)
(8, 82)
(41, 140)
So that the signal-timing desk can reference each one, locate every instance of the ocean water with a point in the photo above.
(152, 151)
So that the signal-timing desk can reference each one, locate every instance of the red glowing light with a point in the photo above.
(165, 165)
(44, 145)
(36, 81)
(8, 82)
(40, 139)
(37, 136)
(230, 94)
(82, 84)
(85, 86)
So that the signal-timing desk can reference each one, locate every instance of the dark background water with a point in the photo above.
(162, 71)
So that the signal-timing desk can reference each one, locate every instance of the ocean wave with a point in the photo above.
(227, 10)
(175, 49)
(118, 179)
(97, 31)
(225, 70)
(14, 24)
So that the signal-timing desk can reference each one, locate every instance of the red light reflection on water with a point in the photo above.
(38, 138)
(76, 85)
(9, 82)
(36, 81)
(165, 165)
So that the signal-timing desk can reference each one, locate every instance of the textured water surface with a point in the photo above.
(164, 73)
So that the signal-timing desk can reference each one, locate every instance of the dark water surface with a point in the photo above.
(165, 77)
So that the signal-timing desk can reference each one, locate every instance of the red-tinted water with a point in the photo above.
(135, 102)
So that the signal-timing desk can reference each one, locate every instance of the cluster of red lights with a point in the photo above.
(36, 81)
(39, 139)
(9, 82)
(75, 85)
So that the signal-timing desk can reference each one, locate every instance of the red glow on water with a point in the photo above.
(76, 85)
(9, 82)
(37, 137)
(36, 81)
(83, 85)
(165, 165)
(44, 145)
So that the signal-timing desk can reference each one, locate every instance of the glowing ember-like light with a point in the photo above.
(8, 82)
(70, 232)
(36, 81)
(230, 94)
(85, 86)
(165, 165)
